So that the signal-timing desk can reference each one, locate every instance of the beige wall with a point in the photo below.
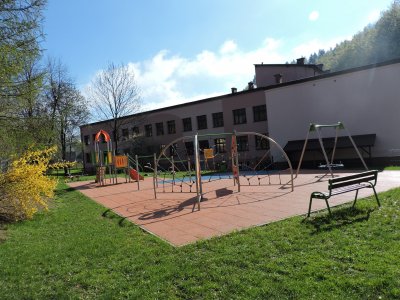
(265, 73)
(223, 104)
(366, 101)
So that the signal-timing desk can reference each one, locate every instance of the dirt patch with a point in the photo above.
(3, 232)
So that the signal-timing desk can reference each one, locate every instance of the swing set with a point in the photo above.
(330, 165)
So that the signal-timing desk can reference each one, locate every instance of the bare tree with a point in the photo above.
(115, 94)
(67, 108)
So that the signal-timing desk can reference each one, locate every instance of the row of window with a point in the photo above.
(171, 128)
(239, 117)
(220, 145)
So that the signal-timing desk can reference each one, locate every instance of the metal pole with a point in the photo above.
(302, 153)
(190, 174)
(197, 173)
(173, 172)
(324, 152)
(334, 146)
(137, 171)
(235, 157)
(155, 176)
(358, 152)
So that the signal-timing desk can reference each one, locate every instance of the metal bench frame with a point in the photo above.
(341, 185)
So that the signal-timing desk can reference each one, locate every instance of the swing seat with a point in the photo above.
(332, 166)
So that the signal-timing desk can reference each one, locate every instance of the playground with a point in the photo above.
(186, 198)
(223, 209)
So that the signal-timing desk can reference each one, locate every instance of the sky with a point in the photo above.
(186, 50)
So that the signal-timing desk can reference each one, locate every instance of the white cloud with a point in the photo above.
(227, 47)
(168, 79)
(305, 49)
(313, 16)
(373, 16)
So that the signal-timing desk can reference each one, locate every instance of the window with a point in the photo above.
(260, 113)
(160, 128)
(242, 143)
(239, 116)
(171, 127)
(88, 158)
(202, 122)
(135, 131)
(187, 124)
(151, 149)
(220, 145)
(204, 144)
(261, 143)
(218, 119)
(189, 148)
(125, 134)
(148, 130)
(86, 140)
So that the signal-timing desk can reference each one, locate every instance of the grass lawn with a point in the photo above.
(72, 251)
(393, 168)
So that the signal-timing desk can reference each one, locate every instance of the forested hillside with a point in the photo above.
(376, 43)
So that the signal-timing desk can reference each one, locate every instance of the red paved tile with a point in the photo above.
(223, 210)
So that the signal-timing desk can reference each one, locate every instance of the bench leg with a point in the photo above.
(376, 196)
(309, 207)
(327, 205)
(355, 199)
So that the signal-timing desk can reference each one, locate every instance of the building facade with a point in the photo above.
(287, 99)
(365, 99)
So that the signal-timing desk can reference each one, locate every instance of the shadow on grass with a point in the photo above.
(62, 191)
(109, 214)
(340, 217)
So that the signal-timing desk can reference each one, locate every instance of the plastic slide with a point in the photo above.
(134, 175)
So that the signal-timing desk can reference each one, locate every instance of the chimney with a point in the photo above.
(251, 85)
(300, 61)
(278, 78)
(234, 90)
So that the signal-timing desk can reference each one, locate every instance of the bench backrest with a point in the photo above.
(353, 179)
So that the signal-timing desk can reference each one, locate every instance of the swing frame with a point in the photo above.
(329, 164)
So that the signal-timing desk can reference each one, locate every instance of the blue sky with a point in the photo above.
(184, 50)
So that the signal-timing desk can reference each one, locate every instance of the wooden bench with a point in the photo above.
(341, 185)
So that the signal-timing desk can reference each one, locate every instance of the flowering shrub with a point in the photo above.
(24, 187)
(62, 164)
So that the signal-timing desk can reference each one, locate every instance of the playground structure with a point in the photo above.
(106, 159)
(184, 165)
(329, 164)
(188, 163)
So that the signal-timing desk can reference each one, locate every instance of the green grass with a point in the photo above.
(73, 251)
(392, 168)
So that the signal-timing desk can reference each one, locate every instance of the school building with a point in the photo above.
(286, 99)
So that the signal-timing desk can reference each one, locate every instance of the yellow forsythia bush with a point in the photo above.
(24, 187)
(62, 164)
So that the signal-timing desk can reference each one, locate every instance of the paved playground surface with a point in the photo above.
(174, 217)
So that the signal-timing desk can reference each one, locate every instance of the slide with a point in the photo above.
(134, 175)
